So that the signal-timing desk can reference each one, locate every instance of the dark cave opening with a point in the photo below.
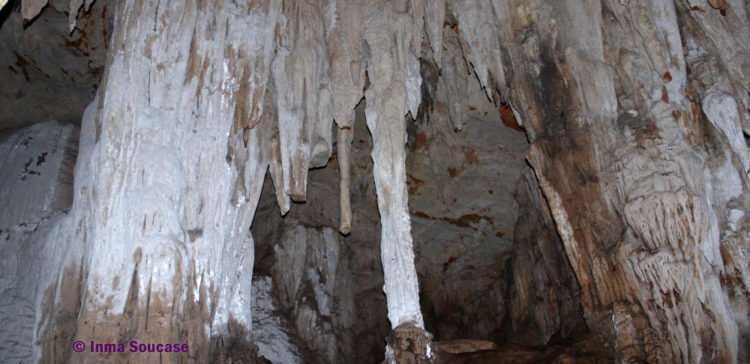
(482, 248)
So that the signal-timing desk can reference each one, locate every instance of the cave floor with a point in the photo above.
(583, 350)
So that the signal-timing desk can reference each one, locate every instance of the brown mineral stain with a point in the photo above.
(421, 140)
(463, 221)
(499, 234)
(506, 115)
(720, 5)
(667, 77)
(452, 172)
(471, 155)
(452, 259)
(413, 185)
(194, 61)
(468, 220)
(22, 63)
(421, 214)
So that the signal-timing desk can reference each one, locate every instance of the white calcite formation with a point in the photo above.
(191, 115)
(636, 113)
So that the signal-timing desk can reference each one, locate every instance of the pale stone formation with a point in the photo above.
(345, 51)
(636, 115)
(36, 187)
(175, 173)
(185, 130)
(394, 75)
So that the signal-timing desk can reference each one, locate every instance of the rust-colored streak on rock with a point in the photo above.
(719, 5)
(421, 140)
(452, 172)
(471, 155)
(452, 259)
(421, 214)
(413, 184)
(509, 120)
(22, 63)
(466, 221)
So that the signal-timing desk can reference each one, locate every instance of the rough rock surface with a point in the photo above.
(627, 222)
(36, 186)
(48, 72)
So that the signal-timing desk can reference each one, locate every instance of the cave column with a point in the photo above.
(391, 62)
(389, 157)
(397, 255)
(179, 165)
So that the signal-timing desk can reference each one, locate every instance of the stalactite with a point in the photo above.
(301, 77)
(347, 63)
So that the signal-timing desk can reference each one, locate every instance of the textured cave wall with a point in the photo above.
(461, 196)
(634, 170)
(544, 298)
(328, 293)
(48, 72)
(463, 187)
(36, 189)
(635, 117)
